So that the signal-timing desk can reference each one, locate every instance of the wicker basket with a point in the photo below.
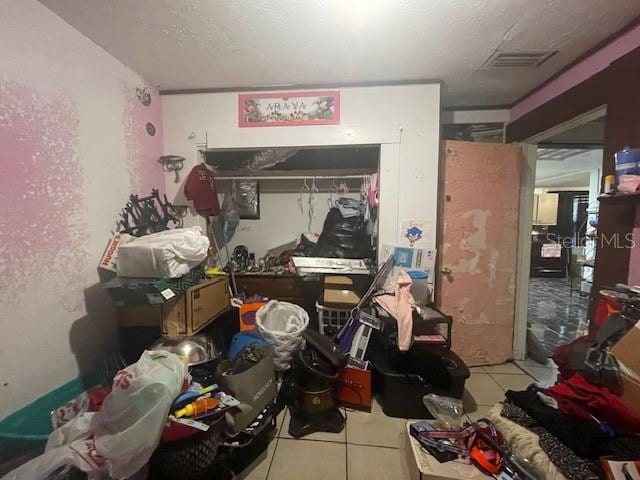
(192, 458)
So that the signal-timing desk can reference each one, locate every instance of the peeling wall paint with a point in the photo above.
(480, 227)
(68, 166)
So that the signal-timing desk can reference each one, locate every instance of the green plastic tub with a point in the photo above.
(28, 428)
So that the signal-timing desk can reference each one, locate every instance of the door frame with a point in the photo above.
(525, 221)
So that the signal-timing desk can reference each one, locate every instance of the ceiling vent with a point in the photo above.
(518, 59)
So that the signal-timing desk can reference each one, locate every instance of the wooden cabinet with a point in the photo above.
(545, 209)
(288, 287)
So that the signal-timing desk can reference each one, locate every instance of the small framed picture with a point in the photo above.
(247, 197)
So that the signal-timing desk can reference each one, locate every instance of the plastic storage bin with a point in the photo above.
(627, 162)
(29, 428)
(331, 320)
(400, 388)
(420, 286)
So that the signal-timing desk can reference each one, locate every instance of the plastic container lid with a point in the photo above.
(418, 275)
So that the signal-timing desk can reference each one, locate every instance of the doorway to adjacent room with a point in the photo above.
(568, 170)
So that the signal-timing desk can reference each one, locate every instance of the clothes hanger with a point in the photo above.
(334, 188)
(303, 189)
(312, 202)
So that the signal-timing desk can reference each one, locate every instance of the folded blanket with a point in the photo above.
(524, 443)
(565, 460)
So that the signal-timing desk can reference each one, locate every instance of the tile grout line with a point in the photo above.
(374, 446)
(346, 445)
(346, 461)
(303, 439)
(275, 449)
(527, 373)
(496, 382)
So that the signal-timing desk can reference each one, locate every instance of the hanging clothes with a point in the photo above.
(200, 187)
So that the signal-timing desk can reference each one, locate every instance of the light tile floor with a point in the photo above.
(546, 374)
(370, 445)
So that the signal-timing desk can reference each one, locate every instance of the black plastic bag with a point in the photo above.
(343, 237)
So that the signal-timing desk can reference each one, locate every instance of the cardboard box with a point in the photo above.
(129, 291)
(185, 314)
(341, 291)
(248, 315)
(627, 352)
(109, 260)
(631, 393)
(423, 466)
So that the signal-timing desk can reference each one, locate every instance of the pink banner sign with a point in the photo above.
(289, 109)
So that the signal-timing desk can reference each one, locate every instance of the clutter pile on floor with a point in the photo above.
(193, 406)
(587, 424)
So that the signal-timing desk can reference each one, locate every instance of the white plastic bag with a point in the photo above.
(447, 411)
(282, 325)
(119, 439)
(167, 254)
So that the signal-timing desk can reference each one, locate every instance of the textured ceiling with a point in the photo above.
(566, 168)
(188, 44)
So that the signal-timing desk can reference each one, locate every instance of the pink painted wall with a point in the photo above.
(480, 233)
(73, 147)
(588, 67)
(143, 138)
(43, 221)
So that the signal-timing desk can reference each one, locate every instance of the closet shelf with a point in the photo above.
(292, 175)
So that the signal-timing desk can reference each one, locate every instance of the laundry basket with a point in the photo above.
(282, 325)
(331, 320)
(191, 458)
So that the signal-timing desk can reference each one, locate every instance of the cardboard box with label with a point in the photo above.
(627, 352)
(184, 314)
(109, 260)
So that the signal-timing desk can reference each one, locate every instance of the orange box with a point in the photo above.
(354, 388)
(248, 315)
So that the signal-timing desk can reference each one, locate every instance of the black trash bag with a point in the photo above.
(343, 237)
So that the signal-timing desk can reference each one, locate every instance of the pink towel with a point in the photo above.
(400, 306)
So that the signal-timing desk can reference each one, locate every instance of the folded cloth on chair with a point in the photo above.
(400, 307)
